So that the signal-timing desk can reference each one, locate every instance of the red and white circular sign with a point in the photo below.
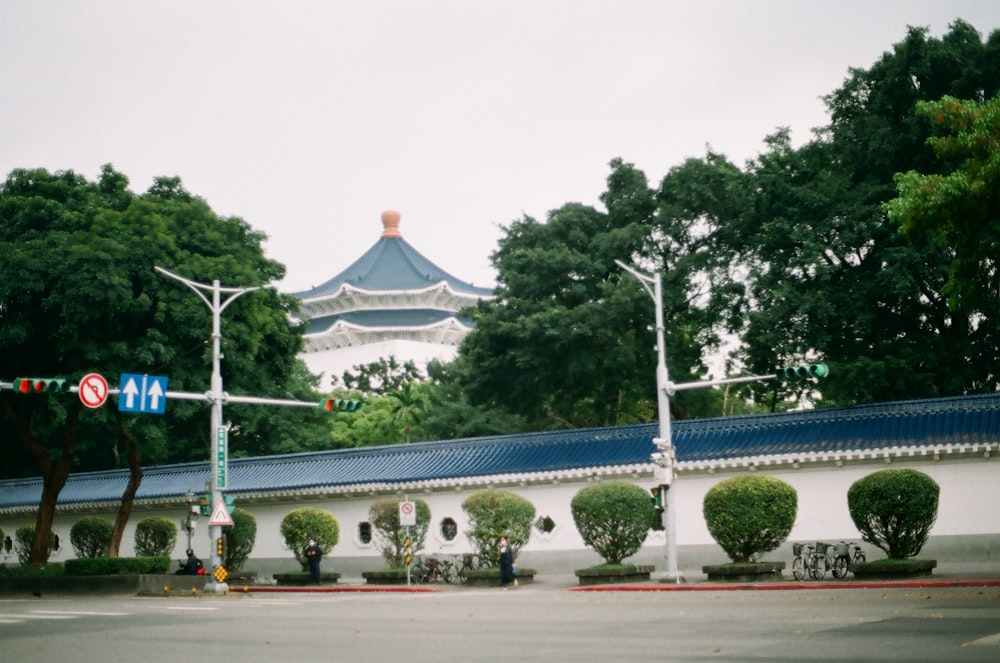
(93, 390)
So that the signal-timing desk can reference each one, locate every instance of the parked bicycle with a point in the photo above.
(433, 569)
(807, 562)
(836, 556)
(470, 562)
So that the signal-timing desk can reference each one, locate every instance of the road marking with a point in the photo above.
(191, 608)
(988, 640)
(76, 613)
(35, 616)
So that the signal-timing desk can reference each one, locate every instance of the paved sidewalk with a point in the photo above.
(986, 574)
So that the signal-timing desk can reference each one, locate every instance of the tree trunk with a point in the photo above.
(128, 497)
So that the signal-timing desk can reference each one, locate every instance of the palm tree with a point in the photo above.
(408, 407)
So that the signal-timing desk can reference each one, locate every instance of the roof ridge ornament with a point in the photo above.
(390, 225)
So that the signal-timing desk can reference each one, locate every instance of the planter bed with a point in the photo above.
(299, 579)
(744, 572)
(613, 575)
(894, 570)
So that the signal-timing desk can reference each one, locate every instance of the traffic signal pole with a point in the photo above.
(665, 458)
(219, 434)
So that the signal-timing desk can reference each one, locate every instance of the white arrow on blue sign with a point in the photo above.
(143, 393)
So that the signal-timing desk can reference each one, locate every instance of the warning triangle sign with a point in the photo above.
(220, 516)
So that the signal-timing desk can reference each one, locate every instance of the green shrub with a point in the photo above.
(390, 535)
(241, 537)
(91, 536)
(613, 517)
(155, 536)
(496, 513)
(24, 537)
(750, 515)
(299, 525)
(894, 510)
(109, 566)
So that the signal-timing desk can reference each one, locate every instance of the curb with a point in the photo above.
(375, 589)
(787, 586)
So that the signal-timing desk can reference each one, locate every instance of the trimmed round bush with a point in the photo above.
(241, 537)
(155, 537)
(299, 525)
(894, 510)
(390, 536)
(613, 517)
(750, 515)
(91, 536)
(24, 536)
(496, 513)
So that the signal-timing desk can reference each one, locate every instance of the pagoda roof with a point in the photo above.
(392, 264)
(386, 318)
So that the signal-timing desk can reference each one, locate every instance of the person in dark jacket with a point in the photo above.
(313, 555)
(507, 567)
(193, 565)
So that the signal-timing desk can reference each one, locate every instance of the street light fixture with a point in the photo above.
(664, 458)
(219, 434)
(192, 516)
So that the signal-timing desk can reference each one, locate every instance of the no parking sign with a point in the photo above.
(407, 514)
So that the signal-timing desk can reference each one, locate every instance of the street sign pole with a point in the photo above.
(218, 436)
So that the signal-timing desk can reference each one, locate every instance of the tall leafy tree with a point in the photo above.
(78, 294)
(830, 276)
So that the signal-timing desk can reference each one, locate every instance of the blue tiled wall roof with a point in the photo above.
(970, 419)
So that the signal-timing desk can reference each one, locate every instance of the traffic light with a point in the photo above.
(657, 493)
(205, 504)
(803, 372)
(220, 547)
(39, 385)
(339, 405)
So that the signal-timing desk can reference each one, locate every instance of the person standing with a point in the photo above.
(507, 567)
(313, 556)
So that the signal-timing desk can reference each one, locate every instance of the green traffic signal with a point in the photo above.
(804, 371)
(39, 385)
(339, 405)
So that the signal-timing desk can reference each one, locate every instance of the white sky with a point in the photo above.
(309, 119)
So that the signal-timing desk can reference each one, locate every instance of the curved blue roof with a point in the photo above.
(908, 424)
(386, 318)
(392, 264)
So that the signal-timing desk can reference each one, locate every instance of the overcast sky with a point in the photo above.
(309, 119)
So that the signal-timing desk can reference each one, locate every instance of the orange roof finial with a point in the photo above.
(390, 224)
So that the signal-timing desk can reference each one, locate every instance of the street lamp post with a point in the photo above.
(192, 516)
(664, 458)
(219, 434)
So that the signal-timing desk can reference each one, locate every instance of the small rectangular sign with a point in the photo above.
(221, 455)
(142, 393)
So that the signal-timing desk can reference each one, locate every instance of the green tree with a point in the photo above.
(959, 207)
(391, 536)
(894, 510)
(495, 513)
(241, 537)
(155, 536)
(829, 276)
(568, 339)
(78, 294)
(298, 526)
(613, 518)
(381, 377)
(90, 536)
(409, 407)
(750, 515)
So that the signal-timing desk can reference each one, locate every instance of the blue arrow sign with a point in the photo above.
(143, 393)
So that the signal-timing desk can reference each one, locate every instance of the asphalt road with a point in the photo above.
(524, 624)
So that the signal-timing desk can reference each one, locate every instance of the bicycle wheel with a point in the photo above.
(859, 558)
(839, 567)
(449, 573)
(818, 568)
(798, 568)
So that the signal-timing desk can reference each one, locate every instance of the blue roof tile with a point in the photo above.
(969, 419)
